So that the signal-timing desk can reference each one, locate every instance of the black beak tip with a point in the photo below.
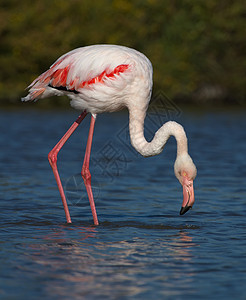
(183, 210)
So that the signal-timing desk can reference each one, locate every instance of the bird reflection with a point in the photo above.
(92, 261)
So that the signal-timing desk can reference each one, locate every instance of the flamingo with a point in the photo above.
(106, 78)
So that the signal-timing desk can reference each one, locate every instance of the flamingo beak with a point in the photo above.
(188, 195)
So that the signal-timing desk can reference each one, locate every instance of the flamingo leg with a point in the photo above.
(86, 172)
(52, 156)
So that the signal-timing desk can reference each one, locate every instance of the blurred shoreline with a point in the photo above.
(197, 48)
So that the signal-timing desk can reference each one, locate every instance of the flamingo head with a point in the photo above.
(185, 171)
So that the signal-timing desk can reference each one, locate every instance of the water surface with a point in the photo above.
(142, 248)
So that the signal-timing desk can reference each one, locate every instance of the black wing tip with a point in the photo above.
(63, 88)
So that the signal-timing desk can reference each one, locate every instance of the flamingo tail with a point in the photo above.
(34, 95)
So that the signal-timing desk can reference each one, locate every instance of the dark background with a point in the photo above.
(196, 47)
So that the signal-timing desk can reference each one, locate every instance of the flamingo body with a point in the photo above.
(106, 78)
(99, 78)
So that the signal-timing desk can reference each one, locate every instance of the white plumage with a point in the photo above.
(106, 78)
(87, 63)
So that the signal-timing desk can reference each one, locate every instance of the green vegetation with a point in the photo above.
(196, 46)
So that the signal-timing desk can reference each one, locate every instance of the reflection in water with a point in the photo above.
(79, 258)
(180, 247)
(61, 233)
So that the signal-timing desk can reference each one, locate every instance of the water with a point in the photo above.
(142, 248)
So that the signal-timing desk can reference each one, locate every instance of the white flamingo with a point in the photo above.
(106, 78)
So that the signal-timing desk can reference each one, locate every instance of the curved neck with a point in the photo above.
(145, 148)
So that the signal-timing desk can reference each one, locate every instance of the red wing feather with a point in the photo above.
(58, 78)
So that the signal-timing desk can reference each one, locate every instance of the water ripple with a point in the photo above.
(142, 248)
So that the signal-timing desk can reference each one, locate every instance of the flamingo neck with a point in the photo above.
(145, 148)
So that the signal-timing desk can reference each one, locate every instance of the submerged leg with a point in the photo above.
(86, 172)
(53, 161)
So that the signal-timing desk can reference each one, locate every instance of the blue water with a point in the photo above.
(142, 248)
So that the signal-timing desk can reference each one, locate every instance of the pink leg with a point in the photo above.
(53, 161)
(86, 172)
